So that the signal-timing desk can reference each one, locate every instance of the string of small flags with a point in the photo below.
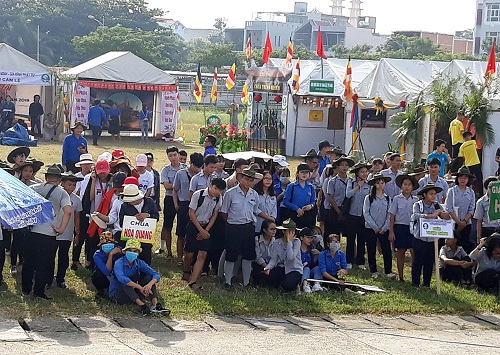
(321, 102)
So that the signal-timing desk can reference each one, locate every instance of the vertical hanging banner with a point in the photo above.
(81, 104)
(168, 111)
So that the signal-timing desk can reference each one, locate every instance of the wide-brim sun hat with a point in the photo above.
(377, 177)
(288, 224)
(85, 158)
(16, 152)
(427, 187)
(403, 177)
(131, 193)
(349, 161)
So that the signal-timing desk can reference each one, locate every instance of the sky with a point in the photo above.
(445, 16)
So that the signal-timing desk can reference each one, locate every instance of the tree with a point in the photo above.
(160, 47)
(220, 24)
(212, 55)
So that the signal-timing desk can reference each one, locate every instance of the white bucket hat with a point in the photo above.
(281, 160)
(85, 159)
(131, 193)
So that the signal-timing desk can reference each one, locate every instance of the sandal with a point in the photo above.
(195, 287)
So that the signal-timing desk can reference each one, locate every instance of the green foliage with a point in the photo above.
(407, 126)
(445, 101)
(160, 47)
(212, 55)
(477, 108)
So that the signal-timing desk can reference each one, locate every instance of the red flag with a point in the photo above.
(491, 68)
(319, 45)
(268, 49)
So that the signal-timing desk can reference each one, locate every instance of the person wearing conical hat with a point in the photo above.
(423, 248)
(40, 242)
(400, 211)
(460, 203)
(432, 177)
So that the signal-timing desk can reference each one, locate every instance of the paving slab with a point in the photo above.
(178, 325)
(144, 325)
(274, 324)
(352, 322)
(10, 330)
(392, 322)
(430, 322)
(51, 325)
(494, 320)
(231, 324)
(311, 323)
(99, 324)
(467, 322)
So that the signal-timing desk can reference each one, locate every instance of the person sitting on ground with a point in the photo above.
(318, 240)
(264, 245)
(487, 256)
(104, 259)
(203, 210)
(309, 257)
(332, 261)
(134, 281)
(286, 251)
(454, 263)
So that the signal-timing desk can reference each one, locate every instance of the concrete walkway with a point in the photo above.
(222, 334)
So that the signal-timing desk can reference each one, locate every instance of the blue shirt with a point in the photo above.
(322, 162)
(302, 196)
(209, 150)
(332, 264)
(100, 260)
(8, 109)
(443, 158)
(97, 115)
(144, 115)
(306, 257)
(123, 271)
(114, 112)
(70, 148)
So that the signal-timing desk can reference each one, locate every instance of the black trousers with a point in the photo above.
(488, 279)
(371, 248)
(217, 234)
(96, 133)
(356, 237)
(455, 149)
(16, 248)
(464, 239)
(126, 294)
(456, 273)
(2, 259)
(478, 173)
(6, 119)
(39, 252)
(62, 260)
(35, 123)
(99, 280)
(423, 262)
(7, 238)
(333, 225)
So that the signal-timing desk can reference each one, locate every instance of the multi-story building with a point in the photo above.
(446, 42)
(487, 24)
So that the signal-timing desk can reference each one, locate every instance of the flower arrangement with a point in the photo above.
(236, 141)
(218, 131)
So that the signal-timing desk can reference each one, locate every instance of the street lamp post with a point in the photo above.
(37, 41)
(92, 17)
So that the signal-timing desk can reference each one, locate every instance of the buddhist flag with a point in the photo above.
(244, 93)
(296, 77)
(249, 49)
(319, 45)
(289, 54)
(491, 68)
(347, 81)
(231, 78)
(213, 94)
(268, 49)
(197, 92)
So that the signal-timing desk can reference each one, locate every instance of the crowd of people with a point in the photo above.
(255, 219)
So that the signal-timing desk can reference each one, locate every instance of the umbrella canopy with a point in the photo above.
(20, 206)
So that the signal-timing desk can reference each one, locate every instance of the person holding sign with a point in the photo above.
(460, 201)
(487, 255)
(134, 281)
(203, 210)
(142, 208)
(423, 248)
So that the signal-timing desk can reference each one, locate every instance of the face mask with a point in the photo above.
(334, 246)
(284, 179)
(131, 256)
(107, 247)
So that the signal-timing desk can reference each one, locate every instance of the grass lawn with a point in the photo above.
(78, 299)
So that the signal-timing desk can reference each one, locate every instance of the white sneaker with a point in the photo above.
(375, 275)
(317, 287)
(390, 276)
(362, 267)
(349, 266)
(306, 288)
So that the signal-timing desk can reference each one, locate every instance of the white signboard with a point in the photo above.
(25, 78)
(142, 231)
(81, 105)
(168, 111)
(436, 228)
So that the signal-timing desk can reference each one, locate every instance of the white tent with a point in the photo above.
(122, 67)
(396, 80)
(17, 68)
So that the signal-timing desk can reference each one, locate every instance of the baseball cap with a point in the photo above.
(102, 166)
(280, 159)
(324, 144)
(141, 160)
(131, 180)
(119, 179)
(149, 155)
(118, 153)
(105, 156)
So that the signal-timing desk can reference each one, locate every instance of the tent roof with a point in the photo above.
(13, 60)
(122, 67)
(333, 69)
(396, 80)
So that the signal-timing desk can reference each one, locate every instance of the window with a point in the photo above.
(493, 12)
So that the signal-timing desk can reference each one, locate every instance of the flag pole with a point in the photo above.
(322, 74)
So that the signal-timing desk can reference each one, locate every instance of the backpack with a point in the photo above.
(201, 198)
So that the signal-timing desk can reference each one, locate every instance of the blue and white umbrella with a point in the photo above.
(20, 206)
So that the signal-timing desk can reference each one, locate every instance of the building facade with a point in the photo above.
(446, 42)
(487, 25)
